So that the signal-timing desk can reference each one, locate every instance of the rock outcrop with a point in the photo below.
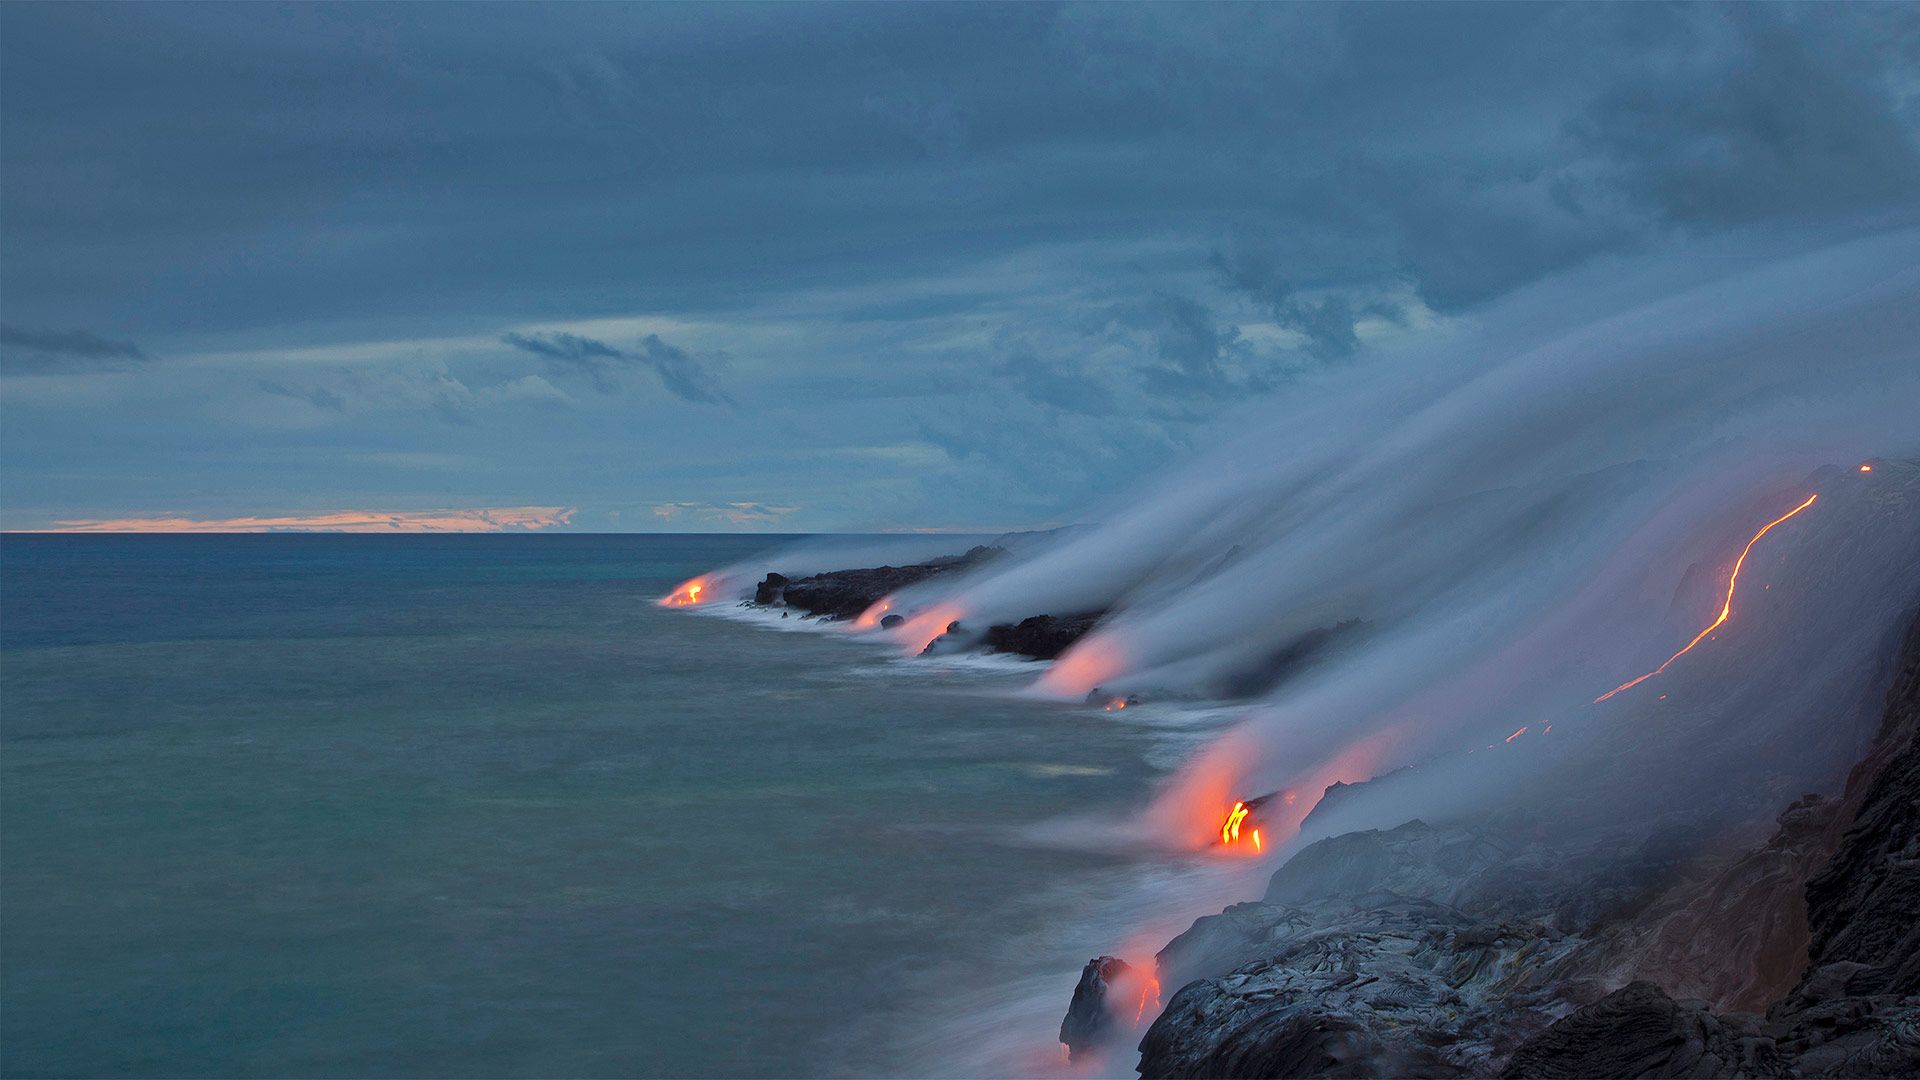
(1856, 1010)
(1042, 637)
(1398, 987)
(1639, 1031)
(844, 594)
(1090, 1021)
(1441, 951)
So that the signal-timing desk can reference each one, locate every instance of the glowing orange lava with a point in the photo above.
(1115, 705)
(1080, 669)
(686, 594)
(1256, 841)
(871, 617)
(1149, 987)
(1230, 829)
(922, 629)
(1726, 606)
(1866, 468)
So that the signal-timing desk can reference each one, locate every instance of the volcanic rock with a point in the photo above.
(1089, 1018)
(1639, 1031)
(1405, 987)
(1856, 1011)
(1042, 637)
(844, 594)
(772, 591)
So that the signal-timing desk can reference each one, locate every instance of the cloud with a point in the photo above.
(733, 513)
(684, 376)
(493, 519)
(25, 351)
(1327, 324)
(432, 387)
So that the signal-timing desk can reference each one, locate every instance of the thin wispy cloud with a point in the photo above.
(733, 513)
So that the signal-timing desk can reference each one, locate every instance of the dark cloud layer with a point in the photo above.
(28, 351)
(908, 228)
(680, 372)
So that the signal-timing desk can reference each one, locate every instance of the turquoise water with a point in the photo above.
(474, 806)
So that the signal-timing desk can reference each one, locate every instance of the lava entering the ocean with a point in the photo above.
(686, 594)
(1241, 829)
(1726, 606)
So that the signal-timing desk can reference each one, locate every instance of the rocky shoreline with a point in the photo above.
(1409, 952)
(845, 594)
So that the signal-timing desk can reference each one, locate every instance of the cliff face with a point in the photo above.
(1409, 952)
(1856, 1008)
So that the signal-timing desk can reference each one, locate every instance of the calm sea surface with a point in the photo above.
(474, 806)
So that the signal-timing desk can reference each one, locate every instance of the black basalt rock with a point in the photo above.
(772, 591)
(844, 594)
(1042, 637)
(1089, 1019)
(1638, 1031)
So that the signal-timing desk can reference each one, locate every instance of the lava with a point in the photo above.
(1090, 662)
(1519, 733)
(1230, 829)
(871, 617)
(1148, 986)
(1726, 606)
(686, 594)
(1866, 468)
(924, 628)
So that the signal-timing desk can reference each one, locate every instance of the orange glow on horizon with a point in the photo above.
(477, 520)
(1726, 606)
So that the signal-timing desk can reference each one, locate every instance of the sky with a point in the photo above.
(810, 267)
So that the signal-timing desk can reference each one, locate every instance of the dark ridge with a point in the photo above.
(844, 594)
(1042, 637)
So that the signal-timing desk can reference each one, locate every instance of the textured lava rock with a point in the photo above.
(1042, 637)
(1089, 1019)
(771, 592)
(844, 594)
(1404, 988)
(1865, 906)
(1856, 1012)
(1639, 1031)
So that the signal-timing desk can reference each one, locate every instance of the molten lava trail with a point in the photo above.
(1726, 606)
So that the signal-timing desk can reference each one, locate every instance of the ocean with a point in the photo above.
(475, 806)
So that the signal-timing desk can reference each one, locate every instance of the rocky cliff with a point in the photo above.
(1445, 951)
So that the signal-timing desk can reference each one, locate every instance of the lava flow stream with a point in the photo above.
(1726, 606)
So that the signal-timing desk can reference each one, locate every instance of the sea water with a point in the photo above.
(476, 806)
